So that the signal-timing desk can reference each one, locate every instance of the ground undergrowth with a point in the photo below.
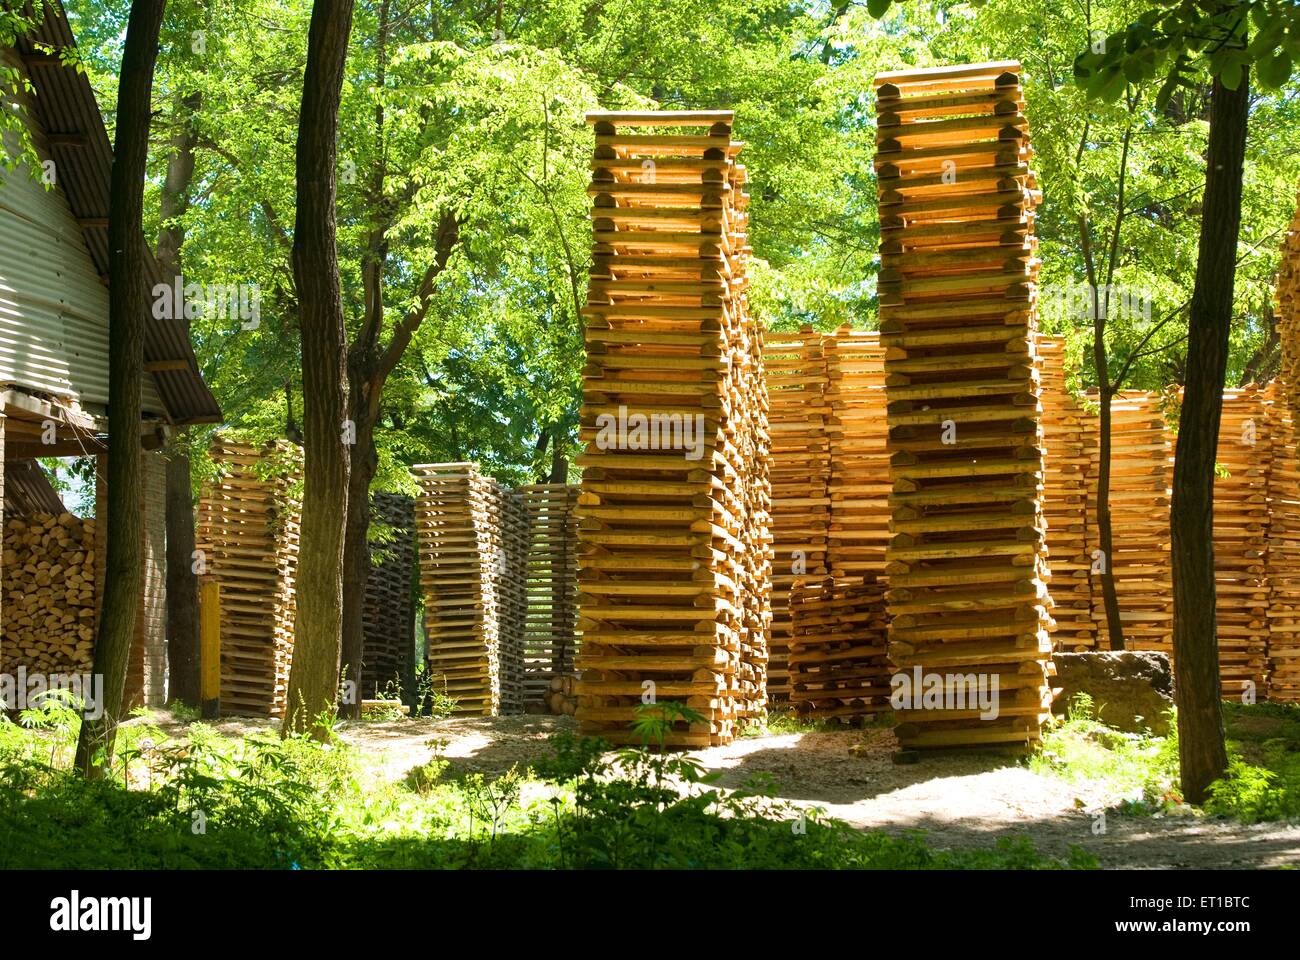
(202, 799)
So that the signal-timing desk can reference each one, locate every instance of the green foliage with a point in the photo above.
(264, 803)
(1263, 781)
(1083, 749)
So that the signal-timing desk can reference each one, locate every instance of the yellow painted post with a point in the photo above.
(210, 647)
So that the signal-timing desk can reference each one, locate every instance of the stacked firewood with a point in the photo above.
(48, 594)
(561, 695)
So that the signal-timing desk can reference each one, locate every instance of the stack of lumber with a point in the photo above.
(248, 535)
(798, 411)
(966, 562)
(1240, 521)
(471, 573)
(550, 628)
(1140, 490)
(1282, 559)
(838, 646)
(1284, 483)
(561, 697)
(48, 595)
(859, 482)
(388, 613)
(511, 572)
(1067, 456)
(1288, 316)
(675, 553)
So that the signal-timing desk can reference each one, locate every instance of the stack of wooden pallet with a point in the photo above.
(966, 562)
(472, 571)
(838, 646)
(1288, 315)
(550, 628)
(1284, 483)
(1140, 490)
(797, 415)
(1282, 559)
(859, 480)
(248, 537)
(675, 555)
(1066, 440)
(388, 613)
(1240, 542)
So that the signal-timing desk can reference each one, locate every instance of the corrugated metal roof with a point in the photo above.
(28, 490)
(65, 104)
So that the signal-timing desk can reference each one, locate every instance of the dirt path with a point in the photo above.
(956, 801)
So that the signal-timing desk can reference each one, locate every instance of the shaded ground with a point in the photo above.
(964, 801)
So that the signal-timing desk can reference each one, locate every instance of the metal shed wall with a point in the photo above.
(53, 306)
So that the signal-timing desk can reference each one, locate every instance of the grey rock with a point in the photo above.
(1131, 689)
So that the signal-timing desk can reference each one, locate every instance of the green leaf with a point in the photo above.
(878, 8)
(1230, 76)
(1167, 90)
(1274, 71)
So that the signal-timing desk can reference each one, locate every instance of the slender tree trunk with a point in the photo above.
(1202, 755)
(356, 557)
(127, 306)
(1103, 564)
(1105, 528)
(313, 678)
(559, 457)
(182, 583)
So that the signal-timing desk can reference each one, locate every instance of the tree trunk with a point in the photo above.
(182, 583)
(356, 556)
(313, 678)
(127, 306)
(1201, 751)
(559, 456)
(1103, 563)
(1105, 529)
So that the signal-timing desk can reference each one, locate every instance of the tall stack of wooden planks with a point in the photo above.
(1141, 475)
(1284, 483)
(550, 629)
(388, 612)
(1067, 457)
(473, 547)
(798, 411)
(675, 551)
(1282, 554)
(966, 562)
(859, 481)
(248, 540)
(839, 667)
(1240, 542)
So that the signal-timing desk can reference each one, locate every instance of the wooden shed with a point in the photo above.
(54, 317)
